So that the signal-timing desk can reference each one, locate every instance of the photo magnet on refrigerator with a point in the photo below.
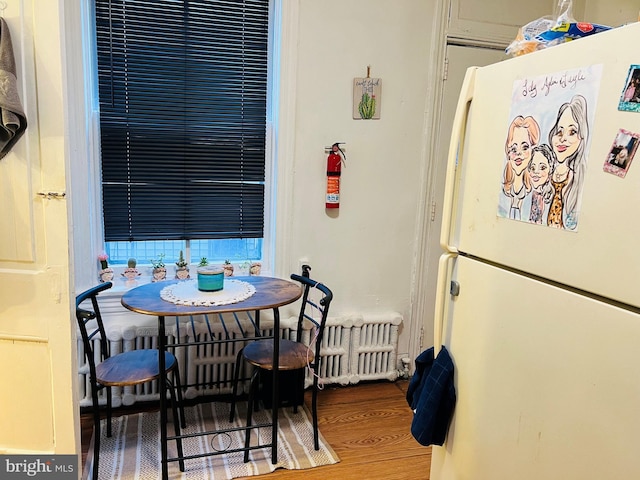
(630, 98)
(622, 151)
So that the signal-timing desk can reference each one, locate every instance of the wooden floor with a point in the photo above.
(368, 426)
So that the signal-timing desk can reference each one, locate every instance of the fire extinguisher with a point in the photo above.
(334, 165)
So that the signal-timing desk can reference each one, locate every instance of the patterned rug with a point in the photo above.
(133, 451)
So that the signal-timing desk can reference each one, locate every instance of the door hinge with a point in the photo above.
(433, 211)
(421, 342)
(445, 73)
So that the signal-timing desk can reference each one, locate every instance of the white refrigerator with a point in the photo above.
(539, 285)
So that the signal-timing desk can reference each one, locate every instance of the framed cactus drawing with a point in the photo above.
(366, 98)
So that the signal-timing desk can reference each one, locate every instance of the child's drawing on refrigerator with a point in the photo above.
(547, 190)
(622, 151)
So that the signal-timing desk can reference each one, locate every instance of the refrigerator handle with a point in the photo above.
(455, 147)
(445, 263)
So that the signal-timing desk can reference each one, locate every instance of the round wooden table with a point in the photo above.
(270, 293)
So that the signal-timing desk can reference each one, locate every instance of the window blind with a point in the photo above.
(182, 93)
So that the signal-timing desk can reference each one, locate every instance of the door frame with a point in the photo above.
(427, 238)
(421, 329)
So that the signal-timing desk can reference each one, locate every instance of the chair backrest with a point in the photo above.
(88, 329)
(314, 311)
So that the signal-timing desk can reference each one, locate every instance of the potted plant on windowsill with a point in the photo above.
(228, 268)
(131, 272)
(106, 272)
(255, 268)
(159, 271)
(182, 268)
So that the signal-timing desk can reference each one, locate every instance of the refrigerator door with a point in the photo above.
(546, 381)
(600, 255)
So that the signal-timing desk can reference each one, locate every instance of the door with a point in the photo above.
(546, 381)
(37, 333)
(458, 60)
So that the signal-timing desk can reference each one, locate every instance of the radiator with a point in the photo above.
(354, 348)
(374, 346)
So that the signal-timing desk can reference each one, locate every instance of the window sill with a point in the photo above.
(121, 284)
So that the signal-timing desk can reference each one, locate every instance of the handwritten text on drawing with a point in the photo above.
(543, 85)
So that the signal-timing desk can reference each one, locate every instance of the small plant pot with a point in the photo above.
(228, 270)
(130, 273)
(255, 268)
(159, 274)
(182, 273)
(106, 274)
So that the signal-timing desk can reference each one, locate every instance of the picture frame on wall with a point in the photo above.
(366, 98)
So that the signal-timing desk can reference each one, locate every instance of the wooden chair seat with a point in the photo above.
(293, 355)
(132, 368)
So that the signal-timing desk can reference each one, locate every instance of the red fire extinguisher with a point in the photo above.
(334, 165)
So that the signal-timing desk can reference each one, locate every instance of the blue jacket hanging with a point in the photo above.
(432, 397)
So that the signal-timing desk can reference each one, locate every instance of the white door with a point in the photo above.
(546, 382)
(37, 331)
(458, 60)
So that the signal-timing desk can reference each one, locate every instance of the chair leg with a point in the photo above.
(178, 387)
(96, 443)
(236, 379)
(108, 391)
(96, 433)
(177, 419)
(252, 392)
(314, 413)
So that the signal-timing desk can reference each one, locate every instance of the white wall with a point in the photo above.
(364, 251)
(612, 13)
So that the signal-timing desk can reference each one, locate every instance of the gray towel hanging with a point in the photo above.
(13, 121)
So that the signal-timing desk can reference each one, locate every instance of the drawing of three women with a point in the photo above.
(552, 174)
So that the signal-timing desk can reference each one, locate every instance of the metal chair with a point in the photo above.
(293, 355)
(121, 370)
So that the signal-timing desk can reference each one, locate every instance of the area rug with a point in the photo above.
(133, 451)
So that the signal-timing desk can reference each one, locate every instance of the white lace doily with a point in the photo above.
(187, 293)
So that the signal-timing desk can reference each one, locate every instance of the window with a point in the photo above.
(183, 111)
